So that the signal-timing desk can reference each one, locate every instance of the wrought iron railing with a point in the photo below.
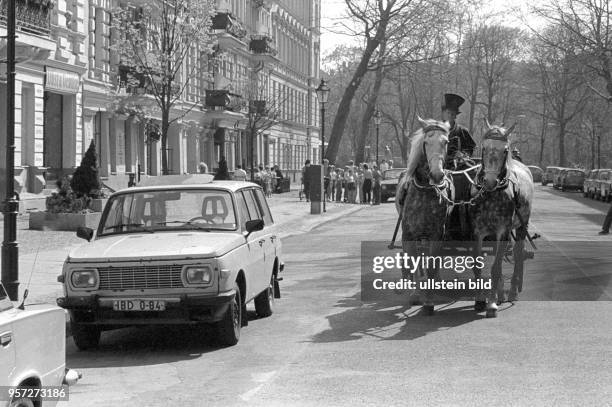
(262, 44)
(221, 98)
(226, 21)
(31, 16)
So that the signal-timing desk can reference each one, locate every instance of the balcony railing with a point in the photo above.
(262, 45)
(224, 99)
(139, 83)
(31, 16)
(225, 21)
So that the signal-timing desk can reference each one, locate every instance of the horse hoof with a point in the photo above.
(491, 313)
(480, 306)
(428, 310)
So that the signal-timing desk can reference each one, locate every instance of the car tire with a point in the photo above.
(22, 402)
(384, 199)
(543, 183)
(85, 336)
(264, 302)
(228, 329)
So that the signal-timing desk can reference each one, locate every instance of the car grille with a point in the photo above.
(140, 277)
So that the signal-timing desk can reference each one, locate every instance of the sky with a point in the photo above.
(514, 12)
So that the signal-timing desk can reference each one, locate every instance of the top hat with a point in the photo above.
(452, 102)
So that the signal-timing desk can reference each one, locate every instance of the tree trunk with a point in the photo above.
(164, 140)
(344, 107)
(562, 159)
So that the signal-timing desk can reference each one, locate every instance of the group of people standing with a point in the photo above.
(351, 184)
(267, 177)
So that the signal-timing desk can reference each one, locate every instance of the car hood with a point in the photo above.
(159, 245)
(391, 181)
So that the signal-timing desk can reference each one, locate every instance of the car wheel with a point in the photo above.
(228, 329)
(543, 183)
(384, 199)
(22, 402)
(85, 336)
(264, 302)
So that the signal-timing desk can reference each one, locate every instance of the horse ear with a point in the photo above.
(510, 130)
(487, 123)
(422, 121)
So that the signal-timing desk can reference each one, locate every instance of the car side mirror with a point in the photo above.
(85, 233)
(254, 226)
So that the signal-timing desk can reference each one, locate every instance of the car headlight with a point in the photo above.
(197, 275)
(82, 279)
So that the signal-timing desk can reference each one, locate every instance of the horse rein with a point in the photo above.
(494, 134)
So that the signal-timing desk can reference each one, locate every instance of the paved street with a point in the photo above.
(323, 346)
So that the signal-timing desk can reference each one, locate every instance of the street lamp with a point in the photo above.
(322, 95)
(377, 120)
(10, 262)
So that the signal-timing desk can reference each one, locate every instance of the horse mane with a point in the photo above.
(416, 145)
(416, 152)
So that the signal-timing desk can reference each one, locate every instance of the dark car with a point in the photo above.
(549, 175)
(388, 185)
(572, 179)
(536, 173)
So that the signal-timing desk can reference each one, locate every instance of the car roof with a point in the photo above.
(182, 182)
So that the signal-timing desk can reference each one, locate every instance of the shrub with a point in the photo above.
(86, 179)
(65, 200)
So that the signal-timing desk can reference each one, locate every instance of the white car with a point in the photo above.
(33, 355)
(194, 253)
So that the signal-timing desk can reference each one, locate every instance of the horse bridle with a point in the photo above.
(442, 185)
(495, 134)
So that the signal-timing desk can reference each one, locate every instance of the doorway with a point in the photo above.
(53, 130)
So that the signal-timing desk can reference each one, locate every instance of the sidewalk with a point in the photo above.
(42, 253)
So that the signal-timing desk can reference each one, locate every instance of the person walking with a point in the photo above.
(605, 229)
(306, 180)
(367, 184)
(377, 176)
(351, 187)
(339, 180)
(359, 179)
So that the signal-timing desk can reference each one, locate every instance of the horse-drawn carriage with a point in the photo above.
(477, 204)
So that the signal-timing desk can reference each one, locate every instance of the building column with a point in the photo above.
(104, 149)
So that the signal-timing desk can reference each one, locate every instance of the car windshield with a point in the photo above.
(159, 210)
(393, 173)
(5, 302)
(575, 173)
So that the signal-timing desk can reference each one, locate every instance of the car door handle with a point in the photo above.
(272, 238)
(6, 338)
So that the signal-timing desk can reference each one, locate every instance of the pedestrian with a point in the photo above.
(332, 183)
(268, 181)
(605, 229)
(351, 187)
(326, 178)
(384, 166)
(377, 185)
(203, 168)
(339, 178)
(240, 174)
(278, 175)
(367, 184)
(222, 172)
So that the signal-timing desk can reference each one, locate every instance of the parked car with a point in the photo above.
(557, 178)
(589, 186)
(603, 187)
(189, 253)
(388, 185)
(536, 173)
(549, 175)
(572, 179)
(33, 354)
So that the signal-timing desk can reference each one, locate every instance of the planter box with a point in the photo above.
(97, 205)
(63, 221)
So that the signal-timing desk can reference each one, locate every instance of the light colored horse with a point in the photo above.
(417, 198)
(504, 208)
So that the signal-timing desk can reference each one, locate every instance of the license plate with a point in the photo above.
(139, 305)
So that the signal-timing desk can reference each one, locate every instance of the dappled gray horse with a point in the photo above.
(504, 208)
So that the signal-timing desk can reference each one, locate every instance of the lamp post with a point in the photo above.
(377, 120)
(322, 95)
(10, 263)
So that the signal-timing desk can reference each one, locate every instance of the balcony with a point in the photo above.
(138, 83)
(229, 30)
(262, 49)
(222, 99)
(31, 16)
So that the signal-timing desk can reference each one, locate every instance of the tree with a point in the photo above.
(86, 179)
(161, 49)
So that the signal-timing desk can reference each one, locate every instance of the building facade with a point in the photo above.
(67, 72)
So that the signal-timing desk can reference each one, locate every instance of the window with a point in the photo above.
(254, 211)
(263, 205)
(242, 209)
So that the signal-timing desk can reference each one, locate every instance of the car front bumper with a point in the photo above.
(184, 309)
